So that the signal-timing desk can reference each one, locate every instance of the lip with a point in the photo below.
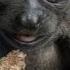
(26, 38)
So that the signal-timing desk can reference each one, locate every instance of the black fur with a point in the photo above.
(48, 21)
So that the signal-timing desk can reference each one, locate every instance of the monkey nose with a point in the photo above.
(31, 18)
(28, 21)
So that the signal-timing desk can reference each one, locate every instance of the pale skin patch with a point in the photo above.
(15, 60)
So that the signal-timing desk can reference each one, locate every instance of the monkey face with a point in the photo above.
(30, 21)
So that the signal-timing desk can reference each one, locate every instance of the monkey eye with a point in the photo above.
(54, 1)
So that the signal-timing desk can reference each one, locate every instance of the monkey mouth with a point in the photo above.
(26, 37)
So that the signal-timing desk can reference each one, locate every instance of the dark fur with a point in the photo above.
(50, 53)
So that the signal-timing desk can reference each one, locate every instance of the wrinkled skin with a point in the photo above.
(47, 21)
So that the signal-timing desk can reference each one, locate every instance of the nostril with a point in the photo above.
(18, 19)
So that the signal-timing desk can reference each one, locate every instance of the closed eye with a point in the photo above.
(55, 1)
